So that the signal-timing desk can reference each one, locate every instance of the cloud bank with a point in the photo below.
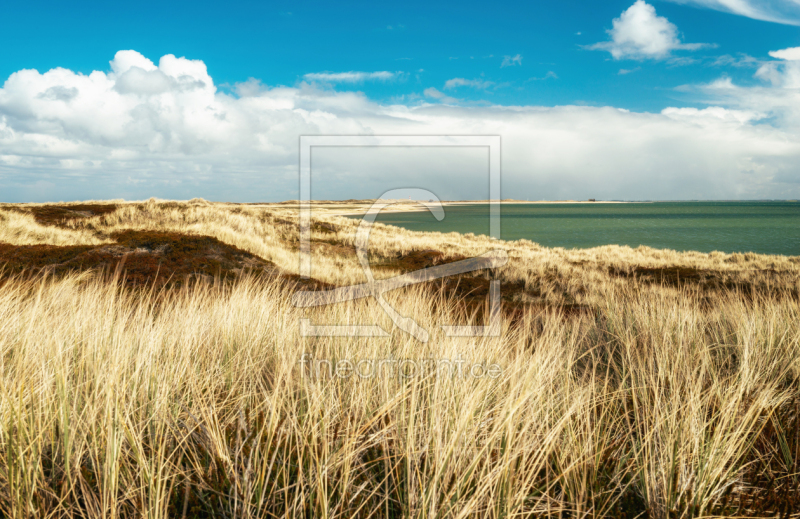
(140, 129)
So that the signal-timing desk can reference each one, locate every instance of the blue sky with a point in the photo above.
(446, 67)
(280, 42)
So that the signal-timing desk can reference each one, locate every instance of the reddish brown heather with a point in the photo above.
(146, 257)
(59, 215)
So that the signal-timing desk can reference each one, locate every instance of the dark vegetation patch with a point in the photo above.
(58, 215)
(321, 232)
(296, 282)
(772, 484)
(418, 259)
(472, 289)
(763, 281)
(323, 227)
(145, 257)
(331, 249)
(672, 276)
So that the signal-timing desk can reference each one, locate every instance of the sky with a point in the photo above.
(634, 100)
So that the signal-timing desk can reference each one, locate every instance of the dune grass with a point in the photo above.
(666, 400)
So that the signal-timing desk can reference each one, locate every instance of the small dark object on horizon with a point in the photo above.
(592, 200)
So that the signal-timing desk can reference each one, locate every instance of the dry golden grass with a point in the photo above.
(666, 400)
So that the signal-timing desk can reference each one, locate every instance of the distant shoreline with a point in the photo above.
(404, 206)
(355, 207)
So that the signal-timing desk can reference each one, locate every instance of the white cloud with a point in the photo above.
(351, 77)
(739, 61)
(778, 11)
(438, 95)
(780, 74)
(550, 75)
(640, 34)
(67, 135)
(777, 100)
(510, 61)
(713, 114)
(59, 93)
(124, 60)
(784, 73)
(790, 54)
(457, 82)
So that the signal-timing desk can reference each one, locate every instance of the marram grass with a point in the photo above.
(193, 402)
(127, 404)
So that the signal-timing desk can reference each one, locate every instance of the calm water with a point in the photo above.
(764, 227)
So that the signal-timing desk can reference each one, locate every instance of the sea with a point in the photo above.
(765, 227)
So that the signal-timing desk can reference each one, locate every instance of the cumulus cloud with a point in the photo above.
(165, 130)
(125, 60)
(639, 33)
(457, 82)
(510, 61)
(776, 100)
(790, 54)
(351, 77)
(779, 11)
(59, 93)
(784, 73)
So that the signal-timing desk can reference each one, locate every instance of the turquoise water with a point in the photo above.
(763, 227)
